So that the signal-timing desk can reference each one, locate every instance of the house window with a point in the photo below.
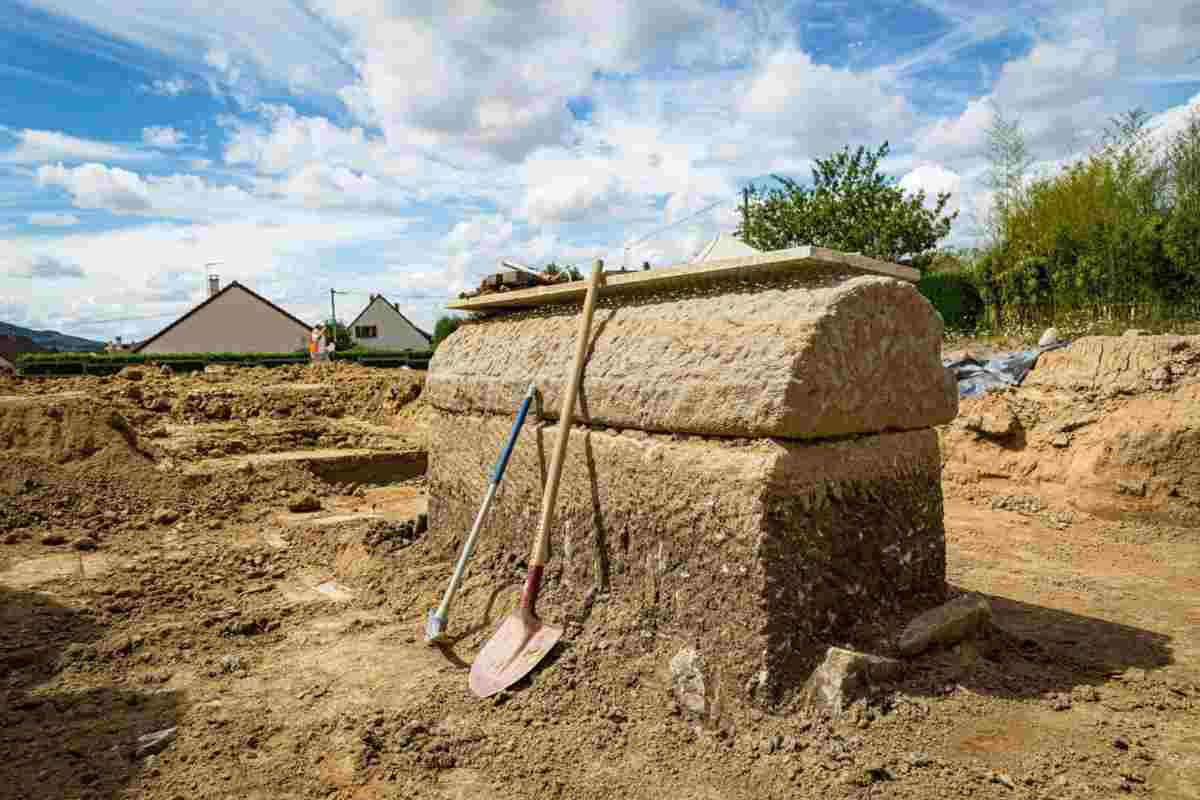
(366, 331)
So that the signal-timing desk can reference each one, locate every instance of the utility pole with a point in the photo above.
(333, 314)
(745, 212)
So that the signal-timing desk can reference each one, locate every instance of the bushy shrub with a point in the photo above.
(956, 298)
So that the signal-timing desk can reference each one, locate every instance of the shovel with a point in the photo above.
(522, 639)
(435, 624)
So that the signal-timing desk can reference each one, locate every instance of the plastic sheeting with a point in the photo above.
(976, 377)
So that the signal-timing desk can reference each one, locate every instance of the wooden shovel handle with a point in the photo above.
(541, 545)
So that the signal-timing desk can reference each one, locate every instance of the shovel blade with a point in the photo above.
(516, 648)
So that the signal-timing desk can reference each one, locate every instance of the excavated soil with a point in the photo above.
(139, 594)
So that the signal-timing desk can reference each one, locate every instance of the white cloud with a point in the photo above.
(34, 147)
(169, 87)
(934, 179)
(491, 80)
(123, 192)
(163, 137)
(290, 141)
(964, 135)
(22, 264)
(53, 219)
(319, 186)
(822, 107)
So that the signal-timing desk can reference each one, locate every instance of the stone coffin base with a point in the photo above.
(759, 553)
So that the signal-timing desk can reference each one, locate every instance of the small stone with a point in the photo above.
(131, 374)
(919, 760)
(687, 678)
(774, 743)
(165, 516)
(1049, 337)
(1132, 332)
(1121, 743)
(1059, 701)
(231, 664)
(992, 417)
(303, 503)
(844, 676)
(1003, 779)
(154, 743)
(54, 539)
(946, 625)
(84, 543)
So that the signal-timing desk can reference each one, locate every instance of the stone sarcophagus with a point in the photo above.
(753, 460)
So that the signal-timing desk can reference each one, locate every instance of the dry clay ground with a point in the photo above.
(153, 579)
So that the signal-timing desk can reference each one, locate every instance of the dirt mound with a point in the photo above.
(1109, 426)
(1102, 367)
(65, 428)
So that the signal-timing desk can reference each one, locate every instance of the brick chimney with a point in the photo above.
(214, 285)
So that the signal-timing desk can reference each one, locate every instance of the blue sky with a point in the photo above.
(403, 148)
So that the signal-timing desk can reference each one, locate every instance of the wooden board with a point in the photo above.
(776, 261)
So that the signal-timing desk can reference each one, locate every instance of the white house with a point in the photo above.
(381, 326)
(231, 320)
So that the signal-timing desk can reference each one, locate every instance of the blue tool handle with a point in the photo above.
(512, 437)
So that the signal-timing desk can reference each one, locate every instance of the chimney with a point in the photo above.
(214, 285)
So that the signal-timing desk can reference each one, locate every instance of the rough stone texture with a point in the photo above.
(1108, 366)
(757, 554)
(303, 503)
(991, 416)
(687, 679)
(844, 676)
(945, 625)
(800, 358)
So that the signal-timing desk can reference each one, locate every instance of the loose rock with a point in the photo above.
(687, 677)
(165, 516)
(303, 503)
(1049, 337)
(153, 743)
(945, 625)
(85, 543)
(844, 676)
(54, 539)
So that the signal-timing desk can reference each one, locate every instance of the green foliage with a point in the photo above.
(445, 326)
(1010, 162)
(956, 298)
(572, 272)
(1116, 229)
(107, 363)
(851, 206)
(342, 336)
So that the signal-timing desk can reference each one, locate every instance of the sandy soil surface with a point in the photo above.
(170, 632)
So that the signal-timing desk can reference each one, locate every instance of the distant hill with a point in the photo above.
(53, 340)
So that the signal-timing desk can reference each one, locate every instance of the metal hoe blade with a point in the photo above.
(515, 649)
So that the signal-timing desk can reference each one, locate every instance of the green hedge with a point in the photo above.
(109, 363)
(955, 297)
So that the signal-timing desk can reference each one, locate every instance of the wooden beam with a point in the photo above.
(795, 259)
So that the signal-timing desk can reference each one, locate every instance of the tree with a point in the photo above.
(445, 326)
(571, 272)
(1009, 162)
(850, 206)
(341, 335)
